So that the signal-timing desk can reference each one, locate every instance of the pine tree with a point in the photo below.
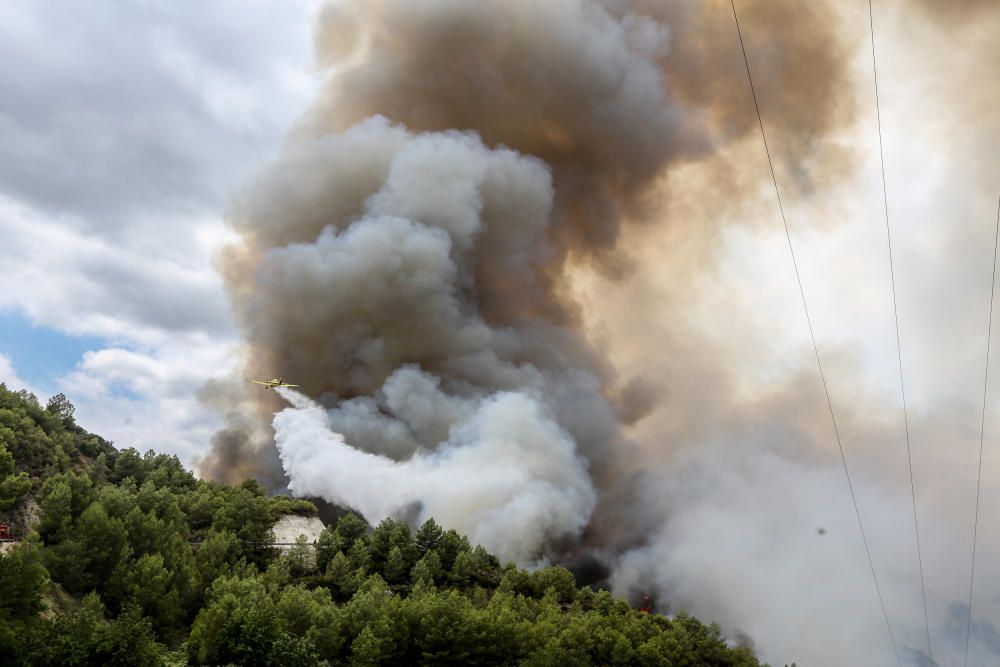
(359, 556)
(428, 537)
(396, 569)
(300, 557)
(428, 569)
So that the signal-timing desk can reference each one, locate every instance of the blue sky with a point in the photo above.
(41, 355)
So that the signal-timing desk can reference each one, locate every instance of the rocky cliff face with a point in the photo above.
(289, 527)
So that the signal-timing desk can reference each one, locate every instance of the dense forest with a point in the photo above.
(128, 559)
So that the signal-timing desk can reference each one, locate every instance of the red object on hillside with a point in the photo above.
(5, 531)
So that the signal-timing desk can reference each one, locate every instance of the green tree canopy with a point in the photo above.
(136, 561)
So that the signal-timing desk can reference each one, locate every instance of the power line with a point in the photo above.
(982, 432)
(812, 336)
(899, 350)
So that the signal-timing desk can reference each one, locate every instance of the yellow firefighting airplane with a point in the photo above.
(273, 382)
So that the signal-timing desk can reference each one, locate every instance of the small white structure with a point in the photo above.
(289, 527)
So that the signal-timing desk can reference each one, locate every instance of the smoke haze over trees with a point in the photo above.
(490, 253)
(111, 577)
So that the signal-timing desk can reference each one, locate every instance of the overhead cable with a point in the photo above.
(812, 336)
(899, 351)
(982, 432)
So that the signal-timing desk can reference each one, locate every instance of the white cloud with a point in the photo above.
(124, 130)
(84, 284)
(113, 111)
(150, 399)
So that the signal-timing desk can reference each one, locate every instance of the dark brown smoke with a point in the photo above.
(519, 76)
(957, 12)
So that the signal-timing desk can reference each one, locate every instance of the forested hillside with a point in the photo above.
(127, 559)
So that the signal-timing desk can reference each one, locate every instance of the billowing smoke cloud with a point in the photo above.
(444, 226)
(488, 255)
(383, 319)
(397, 228)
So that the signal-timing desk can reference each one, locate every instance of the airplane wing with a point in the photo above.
(288, 385)
(259, 382)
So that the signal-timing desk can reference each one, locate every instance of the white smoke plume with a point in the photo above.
(507, 475)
